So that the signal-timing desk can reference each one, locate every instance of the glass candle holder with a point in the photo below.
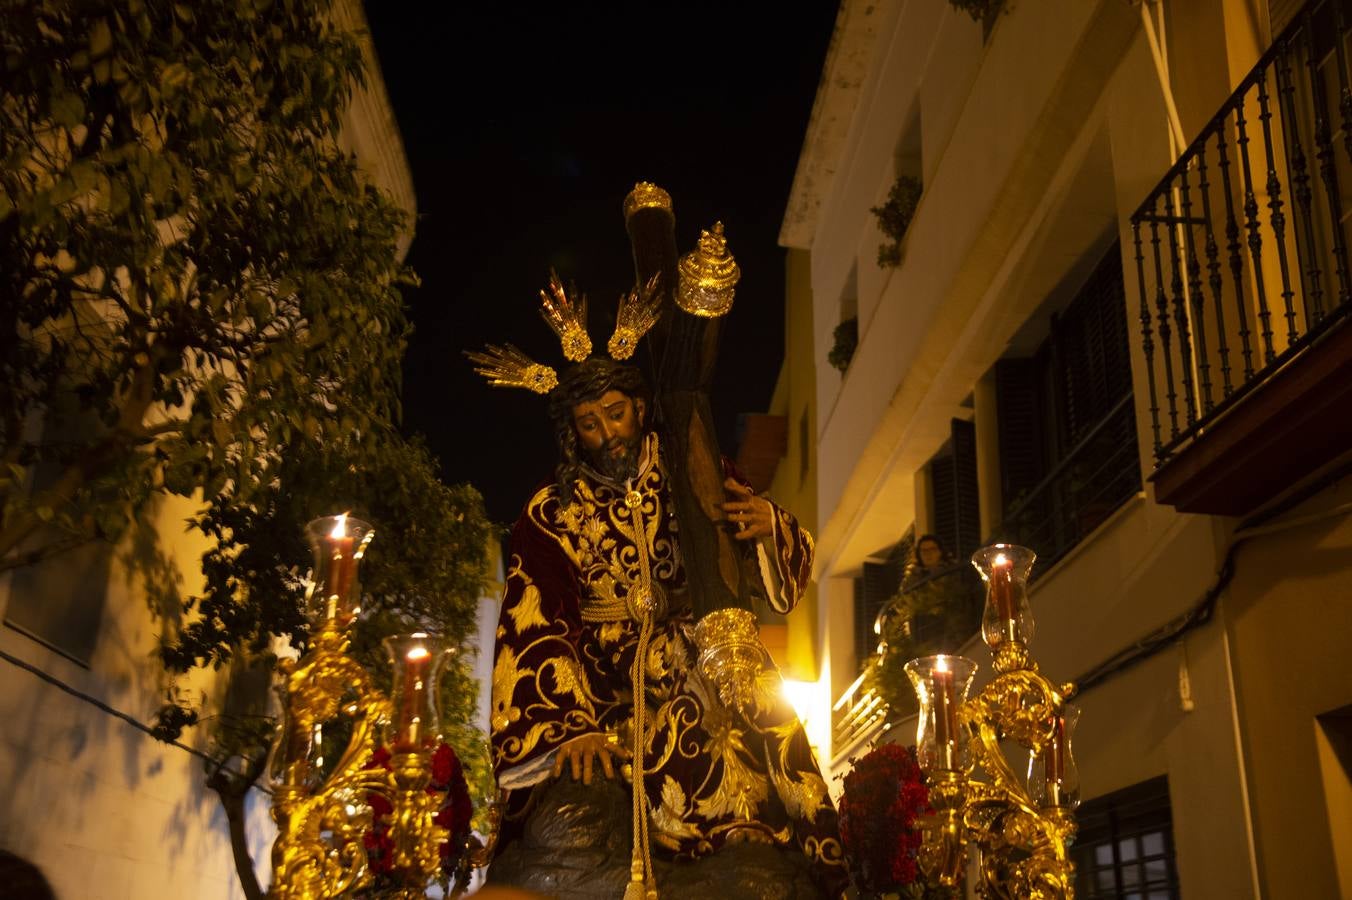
(416, 661)
(1007, 617)
(941, 684)
(339, 543)
(1053, 778)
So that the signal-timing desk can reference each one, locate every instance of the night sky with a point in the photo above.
(525, 128)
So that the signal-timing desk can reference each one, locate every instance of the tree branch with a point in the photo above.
(47, 551)
(232, 789)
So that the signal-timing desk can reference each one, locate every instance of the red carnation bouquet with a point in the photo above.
(455, 813)
(885, 794)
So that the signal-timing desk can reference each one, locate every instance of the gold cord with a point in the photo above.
(642, 882)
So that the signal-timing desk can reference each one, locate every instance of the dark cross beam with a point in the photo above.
(684, 348)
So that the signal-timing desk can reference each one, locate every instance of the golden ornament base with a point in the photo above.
(731, 655)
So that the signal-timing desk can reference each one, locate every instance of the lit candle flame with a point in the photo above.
(942, 664)
(418, 653)
(340, 527)
(1001, 560)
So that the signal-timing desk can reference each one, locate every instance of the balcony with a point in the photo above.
(1081, 491)
(1245, 289)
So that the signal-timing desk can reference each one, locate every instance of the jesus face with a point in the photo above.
(610, 430)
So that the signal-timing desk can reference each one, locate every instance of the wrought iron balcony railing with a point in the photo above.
(1241, 251)
(1100, 473)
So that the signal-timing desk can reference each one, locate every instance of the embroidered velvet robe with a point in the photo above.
(566, 643)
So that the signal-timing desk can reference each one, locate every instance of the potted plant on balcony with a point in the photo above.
(846, 339)
(979, 10)
(894, 217)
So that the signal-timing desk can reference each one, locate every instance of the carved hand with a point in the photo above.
(580, 753)
(751, 516)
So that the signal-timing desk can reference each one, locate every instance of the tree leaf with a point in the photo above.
(100, 38)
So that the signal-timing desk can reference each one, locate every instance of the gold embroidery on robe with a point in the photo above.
(567, 645)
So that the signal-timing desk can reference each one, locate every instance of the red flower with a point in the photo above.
(454, 814)
(445, 766)
(884, 793)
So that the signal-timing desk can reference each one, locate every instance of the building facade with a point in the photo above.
(1113, 328)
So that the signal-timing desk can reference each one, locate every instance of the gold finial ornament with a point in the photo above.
(568, 318)
(731, 654)
(708, 276)
(639, 311)
(508, 367)
(646, 195)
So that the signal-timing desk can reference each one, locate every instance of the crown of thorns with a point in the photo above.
(507, 366)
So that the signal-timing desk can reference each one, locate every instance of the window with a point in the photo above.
(1125, 846)
(876, 584)
(957, 505)
(1067, 421)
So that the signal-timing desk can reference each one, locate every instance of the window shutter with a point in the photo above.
(1281, 12)
(872, 589)
(1094, 348)
(967, 535)
(943, 488)
(1019, 410)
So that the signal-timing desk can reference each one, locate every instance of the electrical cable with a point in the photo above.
(1201, 612)
(115, 713)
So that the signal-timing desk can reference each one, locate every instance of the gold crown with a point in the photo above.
(646, 195)
(507, 366)
(708, 276)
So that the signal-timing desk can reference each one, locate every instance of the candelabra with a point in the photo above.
(1021, 826)
(334, 719)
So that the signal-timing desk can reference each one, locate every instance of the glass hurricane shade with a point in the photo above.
(1007, 617)
(416, 661)
(339, 543)
(941, 684)
(1053, 778)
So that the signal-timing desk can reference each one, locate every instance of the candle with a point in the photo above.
(1002, 594)
(408, 724)
(342, 568)
(945, 714)
(1054, 762)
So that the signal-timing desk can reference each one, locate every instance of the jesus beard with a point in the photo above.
(621, 465)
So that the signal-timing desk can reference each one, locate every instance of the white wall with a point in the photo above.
(102, 808)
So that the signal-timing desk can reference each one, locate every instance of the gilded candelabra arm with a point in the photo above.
(319, 851)
(943, 850)
(314, 693)
(1023, 854)
(1023, 847)
(417, 837)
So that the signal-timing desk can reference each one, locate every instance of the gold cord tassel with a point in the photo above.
(642, 882)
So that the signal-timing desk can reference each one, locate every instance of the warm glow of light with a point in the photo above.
(1000, 561)
(340, 527)
(418, 653)
(812, 702)
(941, 664)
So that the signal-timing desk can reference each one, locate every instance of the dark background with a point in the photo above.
(525, 127)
